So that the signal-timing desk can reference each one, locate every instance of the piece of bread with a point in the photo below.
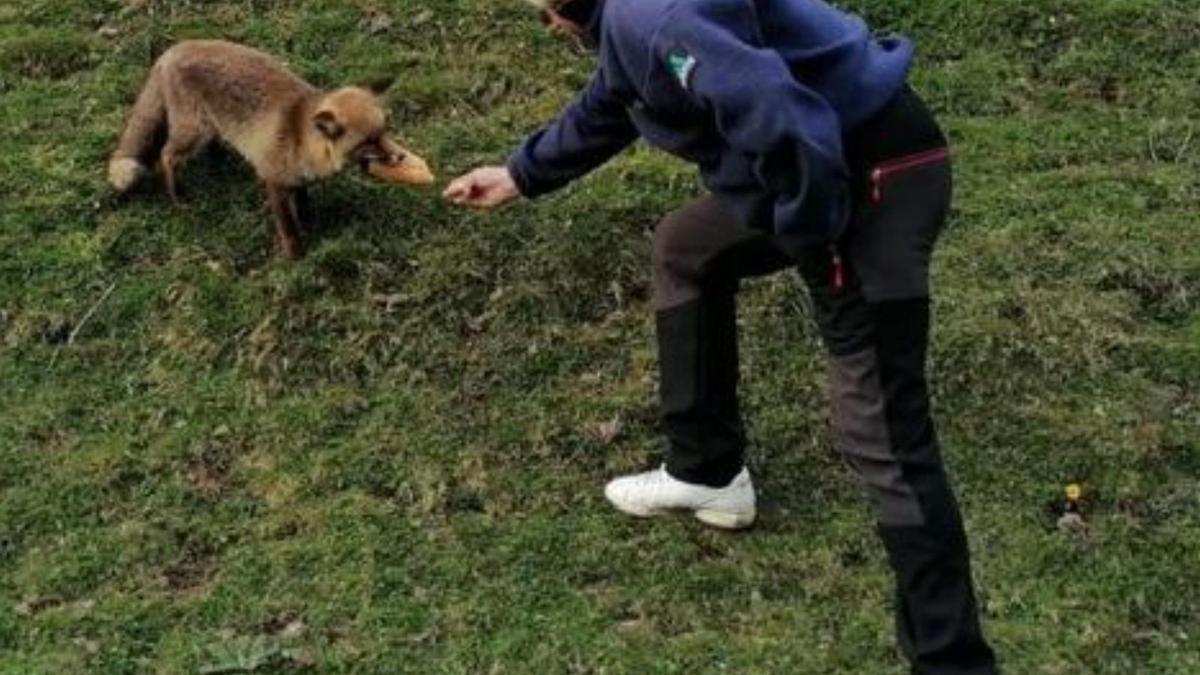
(408, 170)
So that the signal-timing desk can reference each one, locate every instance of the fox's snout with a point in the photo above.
(399, 167)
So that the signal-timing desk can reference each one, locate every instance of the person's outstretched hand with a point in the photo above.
(484, 188)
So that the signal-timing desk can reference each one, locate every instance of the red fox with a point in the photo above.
(289, 131)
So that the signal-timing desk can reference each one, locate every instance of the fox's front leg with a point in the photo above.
(168, 170)
(282, 202)
(301, 208)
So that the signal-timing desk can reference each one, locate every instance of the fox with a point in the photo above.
(203, 91)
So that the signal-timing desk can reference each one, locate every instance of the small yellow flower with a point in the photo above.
(1074, 492)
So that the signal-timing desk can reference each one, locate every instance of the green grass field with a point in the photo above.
(388, 457)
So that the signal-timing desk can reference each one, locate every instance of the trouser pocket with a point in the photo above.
(897, 224)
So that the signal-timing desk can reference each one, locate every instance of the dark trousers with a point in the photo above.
(870, 292)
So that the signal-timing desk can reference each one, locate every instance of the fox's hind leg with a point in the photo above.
(183, 142)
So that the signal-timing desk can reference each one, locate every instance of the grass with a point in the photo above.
(387, 457)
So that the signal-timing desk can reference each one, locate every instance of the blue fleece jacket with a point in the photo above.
(757, 93)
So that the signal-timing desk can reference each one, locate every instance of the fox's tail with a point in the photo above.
(144, 135)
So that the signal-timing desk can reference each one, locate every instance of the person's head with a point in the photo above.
(568, 18)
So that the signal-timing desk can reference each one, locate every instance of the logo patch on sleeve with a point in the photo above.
(683, 65)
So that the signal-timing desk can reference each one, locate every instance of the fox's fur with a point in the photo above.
(289, 131)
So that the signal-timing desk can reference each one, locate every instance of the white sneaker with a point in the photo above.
(649, 494)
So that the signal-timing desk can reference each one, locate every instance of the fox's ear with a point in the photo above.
(380, 86)
(327, 123)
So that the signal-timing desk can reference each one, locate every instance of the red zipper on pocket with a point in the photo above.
(837, 269)
(900, 165)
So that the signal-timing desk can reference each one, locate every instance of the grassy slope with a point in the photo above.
(394, 442)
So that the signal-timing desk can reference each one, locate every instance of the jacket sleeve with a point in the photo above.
(593, 128)
(790, 132)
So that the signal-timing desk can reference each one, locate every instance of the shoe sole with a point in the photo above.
(723, 520)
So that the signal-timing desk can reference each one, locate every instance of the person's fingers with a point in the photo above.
(480, 198)
(458, 188)
(467, 195)
(480, 189)
(493, 199)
